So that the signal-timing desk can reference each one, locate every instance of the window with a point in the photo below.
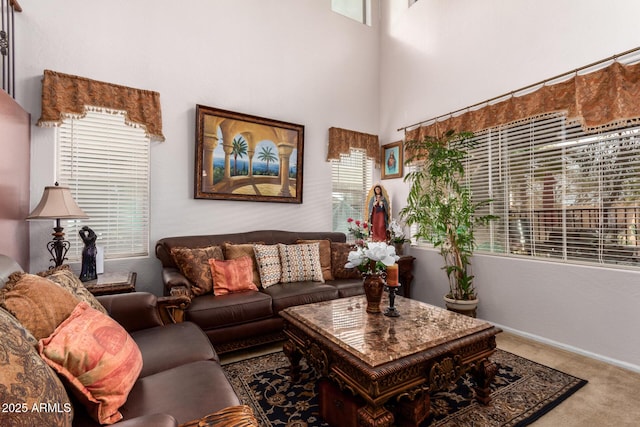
(358, 10)
(105, 163)
(561, 194)
(351, 179)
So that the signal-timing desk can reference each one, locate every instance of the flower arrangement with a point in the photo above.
(359, 230)
(396, 233)
(372, 258)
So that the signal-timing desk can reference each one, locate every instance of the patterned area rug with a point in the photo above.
(522, 392)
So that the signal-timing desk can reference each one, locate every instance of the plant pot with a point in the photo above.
(466, 307)
(373, 289)
(399, 248)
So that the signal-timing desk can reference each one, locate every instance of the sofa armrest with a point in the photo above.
(155, 420)
(172, 307)
(172, 277)
(134, 311)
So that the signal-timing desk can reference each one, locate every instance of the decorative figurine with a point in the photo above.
(89, 253)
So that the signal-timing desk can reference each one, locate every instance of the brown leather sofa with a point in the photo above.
(181, 378)
(240, 320)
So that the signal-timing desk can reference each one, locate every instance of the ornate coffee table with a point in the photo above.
(390, 362)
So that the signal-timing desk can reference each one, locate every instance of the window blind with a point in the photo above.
(560, 193)
(105, 162)
(351, 179)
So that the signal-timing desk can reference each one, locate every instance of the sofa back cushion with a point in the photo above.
(339, 257)
(26, 382)
(269, 237)
(65, 278)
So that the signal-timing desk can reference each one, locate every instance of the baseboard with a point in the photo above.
(569, 348)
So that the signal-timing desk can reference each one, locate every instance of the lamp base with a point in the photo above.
(58, 247)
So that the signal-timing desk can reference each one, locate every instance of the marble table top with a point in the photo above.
(377, 339)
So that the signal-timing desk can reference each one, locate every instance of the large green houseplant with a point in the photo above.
(440, 205)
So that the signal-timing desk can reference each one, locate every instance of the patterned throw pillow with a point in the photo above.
(339, 257)
(194, 265)
(300, 262)
(26, 381)
(97, 358)
(233, 275)
(325, 256)
(239, 250)
(268, 260)
(65, 278)
(38, 303)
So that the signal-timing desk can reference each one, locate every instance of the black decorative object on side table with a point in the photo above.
(89, 253)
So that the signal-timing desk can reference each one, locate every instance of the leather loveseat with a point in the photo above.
(243, 319)
(180, 383)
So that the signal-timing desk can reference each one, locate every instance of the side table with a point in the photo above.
(112, 283)
(405, 274)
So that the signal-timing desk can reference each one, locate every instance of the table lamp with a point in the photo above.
(57, 203)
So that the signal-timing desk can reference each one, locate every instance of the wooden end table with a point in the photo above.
(383, 360)
(112, 283)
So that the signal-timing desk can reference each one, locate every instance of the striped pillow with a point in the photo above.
(300, 262)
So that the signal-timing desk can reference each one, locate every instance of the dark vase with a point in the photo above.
(373, 288)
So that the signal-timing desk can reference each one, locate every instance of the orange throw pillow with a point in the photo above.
(233, 275)
(97, 358)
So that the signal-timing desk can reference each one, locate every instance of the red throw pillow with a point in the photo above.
(232, 275)
(97, 358)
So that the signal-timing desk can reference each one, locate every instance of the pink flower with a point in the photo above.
(364, 225)
(358, 223)
(349, 220)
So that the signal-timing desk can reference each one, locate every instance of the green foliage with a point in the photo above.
(239, 150)
(442, 207)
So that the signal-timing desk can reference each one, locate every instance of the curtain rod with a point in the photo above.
(542, 82)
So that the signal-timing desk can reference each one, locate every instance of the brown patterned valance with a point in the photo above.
(341, 141)
(64, 95)
(605, 98)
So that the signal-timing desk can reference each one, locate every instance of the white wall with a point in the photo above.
(439, 56)
(290, 60)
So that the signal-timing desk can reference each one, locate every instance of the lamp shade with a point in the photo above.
(57, 203)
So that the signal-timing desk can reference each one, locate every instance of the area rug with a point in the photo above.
(522, 392)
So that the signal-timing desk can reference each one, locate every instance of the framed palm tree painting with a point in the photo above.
(244, 157)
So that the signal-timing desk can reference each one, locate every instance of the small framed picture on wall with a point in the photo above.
(392, 159)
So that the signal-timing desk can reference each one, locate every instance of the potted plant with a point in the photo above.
(440, 205)
(397, 237)
(372, 260)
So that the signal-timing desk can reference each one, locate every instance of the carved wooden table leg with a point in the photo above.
(412, 412)
(294, 355)
(374, 416)
(483, 373)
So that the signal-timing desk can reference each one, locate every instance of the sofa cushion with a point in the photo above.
(194, 265)
(339, 257)
(26, 380)
(209, 311)
(348, 287)
(97, 358)
(268, 260)
(175, 344)
(289, 294)
(300, 262)
(234, 251)
(64, 277)
(39, 304)
(233, 275)
(189, 392)
(325, 256)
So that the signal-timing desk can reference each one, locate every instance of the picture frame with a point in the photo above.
(391, 160)
(240, 156)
